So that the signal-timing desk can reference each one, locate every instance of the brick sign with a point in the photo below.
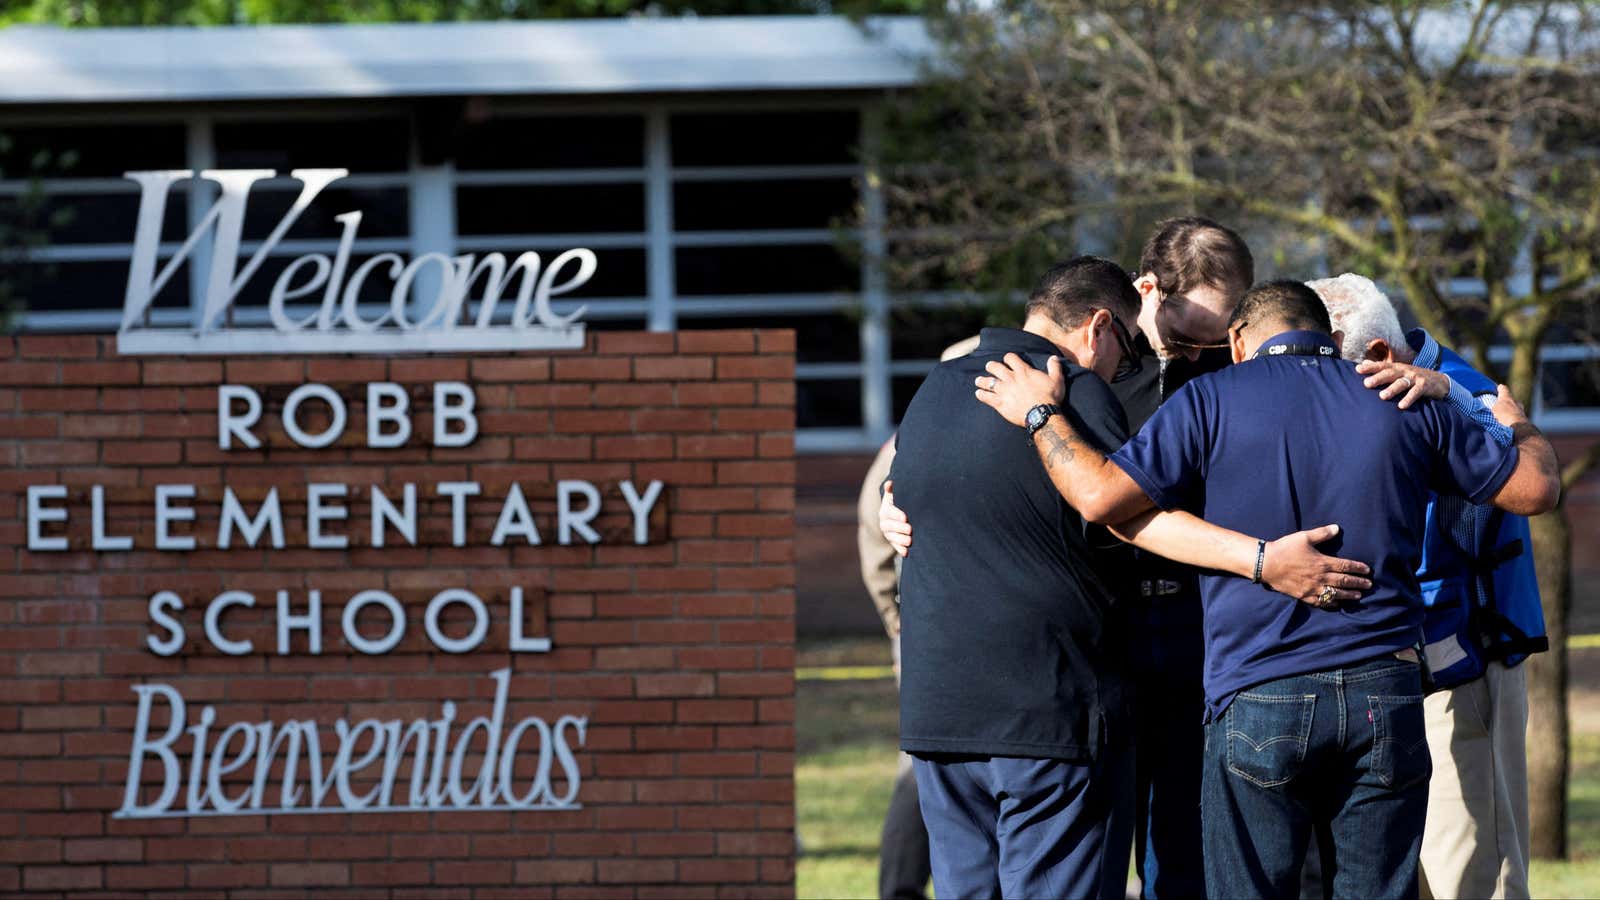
(492, 625)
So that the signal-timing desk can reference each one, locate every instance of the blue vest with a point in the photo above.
(1483, 600)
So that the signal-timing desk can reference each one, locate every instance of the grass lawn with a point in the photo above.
(846, 768)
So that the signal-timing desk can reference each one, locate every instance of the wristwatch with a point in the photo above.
(1039, 415)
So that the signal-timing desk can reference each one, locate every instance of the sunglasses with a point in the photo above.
(1172, 337)
(1129, 365)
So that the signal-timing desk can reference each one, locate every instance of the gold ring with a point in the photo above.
(1327, 594)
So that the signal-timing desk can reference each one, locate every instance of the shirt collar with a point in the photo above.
(1427, 349)
(1324, 343)
(1014, 340)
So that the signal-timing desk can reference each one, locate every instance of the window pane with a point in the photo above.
(819, 337)
(47, 287)
(550, 209)
(827, 403)
(767, 138)
(795, 269)
(91, 218)
(77, 151)
(384, 213)
(552, 142)
(1571, 384)
(718, 205)
(360, 145)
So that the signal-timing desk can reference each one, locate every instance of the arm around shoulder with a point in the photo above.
(1534, 487)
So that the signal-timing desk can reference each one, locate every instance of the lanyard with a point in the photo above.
(1295, 350)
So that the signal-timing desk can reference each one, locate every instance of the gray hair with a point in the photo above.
(1364, 313)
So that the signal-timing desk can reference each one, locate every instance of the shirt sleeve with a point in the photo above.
(1167, 458)
(1477, 409)
(1470, 462)
(1094, 411)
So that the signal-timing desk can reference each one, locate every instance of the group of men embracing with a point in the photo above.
(1118, 624)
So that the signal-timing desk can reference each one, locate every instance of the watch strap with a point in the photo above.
(1039, 415)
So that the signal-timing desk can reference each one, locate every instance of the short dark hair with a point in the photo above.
(1290, 304)
(1071, 291)
(1191, 251)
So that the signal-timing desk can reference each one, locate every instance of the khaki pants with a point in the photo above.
(1476, 840)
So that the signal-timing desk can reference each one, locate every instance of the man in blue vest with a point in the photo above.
(1315, 716)
(1484, 618)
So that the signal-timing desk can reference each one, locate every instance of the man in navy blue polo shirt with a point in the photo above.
(1314, 716)
(1013, 653)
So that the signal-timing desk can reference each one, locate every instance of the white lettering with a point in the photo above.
(520, 642)
(454, 402)
(480, 621)
(335, 326)
(268, 518)
(310, 622)
(319, 510)
(393, 411)
(171, 775)
(160, 602)
(166, 514)
(230, 426)
(291, 411)
(641, 507)
(99, 540)
(440, 779)
(404, 522)
(397, 623)
(214, 622)
(38, 513)
(569, 520)
(515, 519)
(458, 492)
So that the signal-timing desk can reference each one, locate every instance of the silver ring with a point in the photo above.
(1406, 379)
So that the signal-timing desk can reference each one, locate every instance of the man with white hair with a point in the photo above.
(1484, 617)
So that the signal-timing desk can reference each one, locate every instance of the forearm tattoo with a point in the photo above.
(1058, 449)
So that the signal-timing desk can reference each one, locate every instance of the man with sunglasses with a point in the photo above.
(1192, 272)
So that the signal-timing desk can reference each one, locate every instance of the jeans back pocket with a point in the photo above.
(1400, 756)
(1267, 736)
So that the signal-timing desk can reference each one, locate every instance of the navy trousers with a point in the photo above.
(1002, 826)
(1169, 708)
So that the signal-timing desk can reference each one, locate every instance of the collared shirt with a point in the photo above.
(1167, 640)
(1282, 443)
(1009, 641)
(1467, 522)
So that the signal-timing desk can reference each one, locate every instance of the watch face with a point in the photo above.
(1037, 416)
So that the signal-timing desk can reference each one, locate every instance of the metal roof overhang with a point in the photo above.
(46, 65)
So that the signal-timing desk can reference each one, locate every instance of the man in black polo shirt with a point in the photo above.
(1008, 692)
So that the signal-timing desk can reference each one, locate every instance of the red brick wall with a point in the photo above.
(679, 652)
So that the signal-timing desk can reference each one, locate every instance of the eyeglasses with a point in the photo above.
(1130, 364)
(1176, 339)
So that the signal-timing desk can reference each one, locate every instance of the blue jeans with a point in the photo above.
(1342, 752)
(1001, 826)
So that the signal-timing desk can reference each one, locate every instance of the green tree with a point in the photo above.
(25, 224)
(1446, 148)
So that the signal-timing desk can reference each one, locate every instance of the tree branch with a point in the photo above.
(1575, 470)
